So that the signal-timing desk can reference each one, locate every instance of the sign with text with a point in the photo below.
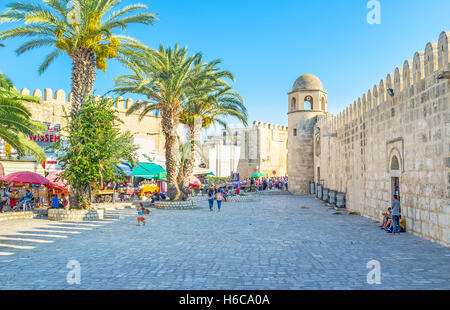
(50, 136)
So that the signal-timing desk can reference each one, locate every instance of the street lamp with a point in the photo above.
(390, 92)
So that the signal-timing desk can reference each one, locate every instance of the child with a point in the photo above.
(140, 217)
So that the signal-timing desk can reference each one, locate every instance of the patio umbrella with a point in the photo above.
(60, 184)
(52, 176)
(25, 177)
(258, 175)
(149, 171)
(194, 181)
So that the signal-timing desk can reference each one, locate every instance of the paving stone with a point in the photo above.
(270, 243)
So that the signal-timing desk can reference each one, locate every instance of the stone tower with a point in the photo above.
(307, 102)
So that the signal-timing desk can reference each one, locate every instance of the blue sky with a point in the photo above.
(268, 44)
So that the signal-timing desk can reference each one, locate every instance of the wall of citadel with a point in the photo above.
(51, 110)
(263, 149)
(413, 126)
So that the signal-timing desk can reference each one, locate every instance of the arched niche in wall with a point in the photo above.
(395, 163)
(293, 104)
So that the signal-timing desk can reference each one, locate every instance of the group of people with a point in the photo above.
(392, 221)
(216, 194)
(280, 183)
(62, 202)
(250, 185)
(9, 204)
(158, 196)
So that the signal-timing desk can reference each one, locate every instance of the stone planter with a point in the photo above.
(248, 198)
(9, 216)
(76, 215)
(176, 205)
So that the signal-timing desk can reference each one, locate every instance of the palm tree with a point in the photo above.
(15, 120)
(164, 77)
(210, 101)
(81, 28)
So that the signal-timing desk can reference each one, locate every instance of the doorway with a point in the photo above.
(395, 177)
(395, 187)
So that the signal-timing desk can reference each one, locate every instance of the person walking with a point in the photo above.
(395, 215)
(211, 199)
(219, 198)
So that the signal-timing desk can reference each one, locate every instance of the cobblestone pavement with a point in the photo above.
(271, 243)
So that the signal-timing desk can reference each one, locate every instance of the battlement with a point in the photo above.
(257, 124)
(407, 81)
(59, 97)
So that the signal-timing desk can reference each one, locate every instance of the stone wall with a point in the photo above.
(9, 216)
(75, 215)
(381, 137)
(51, 110)
(263, 149)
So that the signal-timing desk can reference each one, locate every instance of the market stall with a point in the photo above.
(19, 182)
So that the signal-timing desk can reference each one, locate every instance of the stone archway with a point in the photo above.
(395, 171)
(308, 99)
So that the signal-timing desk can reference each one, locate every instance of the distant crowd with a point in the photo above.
(230, 188)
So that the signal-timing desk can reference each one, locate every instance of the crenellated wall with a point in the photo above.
(262, 148)
(357, 154)
(51, 110)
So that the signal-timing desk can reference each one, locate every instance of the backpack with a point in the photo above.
(403, 224)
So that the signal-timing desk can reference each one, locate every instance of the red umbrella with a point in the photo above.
(194, 181)
(52, 176)
(25, 177)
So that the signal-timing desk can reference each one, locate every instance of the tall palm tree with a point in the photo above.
(15, 120)
(81, 28)
(164, 77)
(210, 101)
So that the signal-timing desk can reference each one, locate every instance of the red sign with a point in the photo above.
(48, 162)
(49, 138)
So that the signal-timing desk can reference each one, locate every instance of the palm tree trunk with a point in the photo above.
(168, 124)
(194, 132)
(83, 77)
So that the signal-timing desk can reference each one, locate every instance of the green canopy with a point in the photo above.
(258, 175)
(149, 171)
(210, 173)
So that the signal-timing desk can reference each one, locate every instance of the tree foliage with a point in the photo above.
(92, 147)
(15, 120)
(69, 25)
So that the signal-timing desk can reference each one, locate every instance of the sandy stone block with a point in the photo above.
(434, 219)
(417, 226)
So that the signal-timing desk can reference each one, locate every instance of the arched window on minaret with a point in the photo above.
(308, 103)
(293, 104)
